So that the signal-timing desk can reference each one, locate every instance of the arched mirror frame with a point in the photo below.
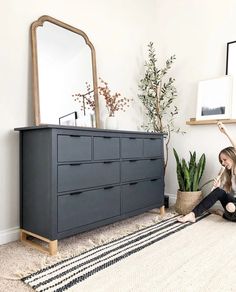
(36, 96)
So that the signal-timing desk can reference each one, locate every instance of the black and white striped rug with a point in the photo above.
(70, 272)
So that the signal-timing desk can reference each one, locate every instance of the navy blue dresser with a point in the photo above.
(76, 179)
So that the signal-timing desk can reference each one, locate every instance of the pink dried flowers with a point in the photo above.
(114, 102)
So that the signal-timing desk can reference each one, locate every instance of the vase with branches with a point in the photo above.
(113, 101)
(158, 97)
(86, 100)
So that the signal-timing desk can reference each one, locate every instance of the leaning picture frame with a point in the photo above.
(214, 98)
(69, 119)
(231, 58)
(231, 71)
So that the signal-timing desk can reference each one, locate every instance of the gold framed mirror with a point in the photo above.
(64, 67)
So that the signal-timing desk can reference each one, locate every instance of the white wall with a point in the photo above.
(196, 31)
(119, 31)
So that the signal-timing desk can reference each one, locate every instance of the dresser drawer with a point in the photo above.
(141, 195)
(87, 207)
(141, 169)
(152, 147)
(106, 148)
(87, 175)
(131, 147)
(74, 148)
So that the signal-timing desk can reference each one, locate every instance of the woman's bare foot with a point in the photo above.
(190, 217)
(230, 207)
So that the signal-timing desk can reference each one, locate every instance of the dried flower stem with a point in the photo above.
(113, 102)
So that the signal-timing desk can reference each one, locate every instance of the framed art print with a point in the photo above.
(69, 119)
(214, 98)
(231, 71)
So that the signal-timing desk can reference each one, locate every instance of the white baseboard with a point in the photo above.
(8, 235)
(172, 199)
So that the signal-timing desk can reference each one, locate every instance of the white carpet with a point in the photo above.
(198, 258)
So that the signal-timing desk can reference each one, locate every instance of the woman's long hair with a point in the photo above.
(227, 174)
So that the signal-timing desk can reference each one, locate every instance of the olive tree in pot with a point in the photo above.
(158, 95)
(189, 175)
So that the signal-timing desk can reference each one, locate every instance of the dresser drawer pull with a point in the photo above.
(154, 179)
(132, 138)
(106, 162)
(75, 136)
(75, 164)
(133, 160)
(153, 138)
(133, 183)
(77, 193)
(153, 159)
(105, 137)
(107, 188)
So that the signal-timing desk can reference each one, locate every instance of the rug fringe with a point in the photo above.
(83, 242)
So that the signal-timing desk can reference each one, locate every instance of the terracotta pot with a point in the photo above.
(186, 201)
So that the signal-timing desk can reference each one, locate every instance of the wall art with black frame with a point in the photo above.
(69, 119)
(216, 98)
(231, 71)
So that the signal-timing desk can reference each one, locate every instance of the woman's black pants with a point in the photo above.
(216, 195)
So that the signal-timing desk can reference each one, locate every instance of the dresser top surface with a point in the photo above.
(83, 129)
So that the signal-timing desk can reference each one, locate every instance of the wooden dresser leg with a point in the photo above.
(52, 244)
(162, 211)
(23, 236)
(53, 247)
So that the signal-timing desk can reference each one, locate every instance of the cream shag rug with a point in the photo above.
(198, 258)
(71, 272)
(18, 260)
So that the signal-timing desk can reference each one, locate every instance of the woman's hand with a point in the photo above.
(223, 130)
(216, 183)
(217, 180)
(222, 127)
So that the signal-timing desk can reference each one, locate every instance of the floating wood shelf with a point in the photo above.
(193, 121)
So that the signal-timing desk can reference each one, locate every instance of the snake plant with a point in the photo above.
(189, 173)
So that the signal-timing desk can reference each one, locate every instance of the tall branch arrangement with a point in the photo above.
(113, 101)
(85, 100)
(158, 98)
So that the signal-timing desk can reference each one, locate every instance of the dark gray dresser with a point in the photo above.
(75, 179)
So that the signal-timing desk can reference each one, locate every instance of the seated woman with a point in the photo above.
(224, 188)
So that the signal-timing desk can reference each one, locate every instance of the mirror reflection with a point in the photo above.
(63, 63)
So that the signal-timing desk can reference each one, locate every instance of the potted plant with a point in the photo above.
(158, 95)
(189, 175)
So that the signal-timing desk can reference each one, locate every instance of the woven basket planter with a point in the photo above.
(186, 201)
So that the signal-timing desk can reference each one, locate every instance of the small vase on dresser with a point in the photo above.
(111, 122)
